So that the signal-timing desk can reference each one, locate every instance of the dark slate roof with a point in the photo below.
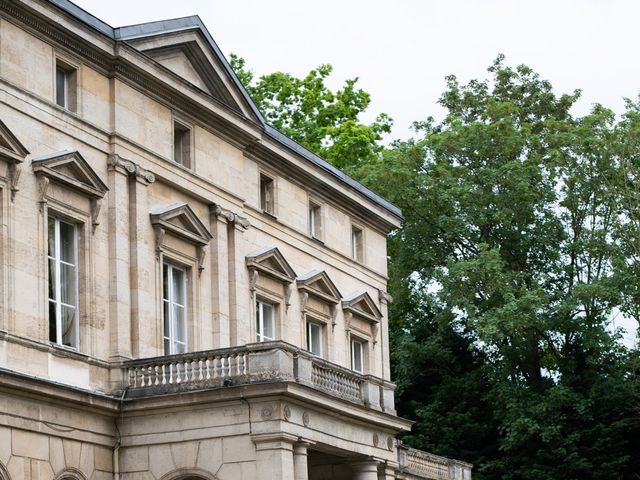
(195, 23)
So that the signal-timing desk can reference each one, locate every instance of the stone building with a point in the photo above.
(184, 291)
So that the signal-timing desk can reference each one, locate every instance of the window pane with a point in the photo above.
(179, 327)
(52, 322)
(68, 326)
(61, 87)
(67, 243)
(52, 237)
(165, 280)
(167, 319)
(167, 346)
(356, 356)
(314, 340)
(52, 279)
(178, 285)
(179, 347)
(269, 327)
(68, 284)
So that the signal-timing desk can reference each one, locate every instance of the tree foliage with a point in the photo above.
(306, 110)
(520, 242)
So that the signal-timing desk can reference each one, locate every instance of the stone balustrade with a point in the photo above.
(254, 363)
(432, 467)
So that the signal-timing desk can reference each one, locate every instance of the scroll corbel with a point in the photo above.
(201, 254)
(96, 206)
(43, 188)
(159, 234)
(304, 296)
(13, 173)
(287, 294)
(253, 279)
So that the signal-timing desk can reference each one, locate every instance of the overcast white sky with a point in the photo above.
(402, 49)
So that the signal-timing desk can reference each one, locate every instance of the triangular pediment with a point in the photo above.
(319, 284)
(185, 47)
(11, 149)
(69, 168)
(271, 262)
(182, 221)
(362, 304)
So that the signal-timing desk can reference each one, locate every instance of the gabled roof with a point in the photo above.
(361, 303)
(181, 220)
(137, 33)
(270, 261)
(10, 147)
(318, 283)
(69, 168)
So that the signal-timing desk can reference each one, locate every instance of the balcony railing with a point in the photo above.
(432, 467)
(254, 363)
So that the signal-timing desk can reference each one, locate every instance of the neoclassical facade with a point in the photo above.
(185, 293)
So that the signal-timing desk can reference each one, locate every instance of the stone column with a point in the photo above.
(300, 468)
(366, 470)
(274, 455)
(119, 262)
(219, 219)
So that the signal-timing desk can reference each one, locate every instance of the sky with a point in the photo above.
(401, 50)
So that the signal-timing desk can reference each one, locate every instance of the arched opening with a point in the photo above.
(70, 474)
(189, 474)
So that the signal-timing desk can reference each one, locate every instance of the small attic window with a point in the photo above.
(267, 192)
(66, 85)
(182, 144)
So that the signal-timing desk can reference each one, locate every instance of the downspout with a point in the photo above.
(116, 447)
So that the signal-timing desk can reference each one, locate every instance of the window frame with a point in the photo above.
(357, 243)
(363, 349)
(183, 128)
(321, 326)
(315, 219)
(57, 300)
(267, 193)
(259, 324)
(171, 337)
(70, 78)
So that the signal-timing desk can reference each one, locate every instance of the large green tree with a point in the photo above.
(324, 121)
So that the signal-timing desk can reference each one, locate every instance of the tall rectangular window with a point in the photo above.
(357, 247)
(357, 355)
(175, 309)
(314, 338)
(63, 282)
(66, 86)
(315, 220)
(267, 201)
(265, 321)
(182, 144)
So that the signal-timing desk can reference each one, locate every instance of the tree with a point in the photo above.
(509, 240)
(306, 110)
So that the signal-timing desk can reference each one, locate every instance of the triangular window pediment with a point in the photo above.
(69, 168)
(271, 262)
(319, 284)
(362, 304)
(181, 220)
(11, 149)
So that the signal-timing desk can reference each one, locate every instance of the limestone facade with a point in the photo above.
(184, 292)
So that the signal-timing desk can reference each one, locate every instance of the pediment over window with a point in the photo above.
(271, 262)
(11, 150)
(181, 220)
(69, 168)
(318, 283)
(362, 305)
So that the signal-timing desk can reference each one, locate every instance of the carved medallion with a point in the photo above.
(390, 442)
(267, 412)
(376, 440)
(287, 412)
(305, 419)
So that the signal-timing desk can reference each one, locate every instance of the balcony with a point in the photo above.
(417, 463)
(252, 364)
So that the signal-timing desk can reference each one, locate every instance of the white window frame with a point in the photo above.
(315, 220)
(357, 243)
(70, 84)
(186, 144)
(170, 336)
(57, 301)
(311, 324)
(267, 187)
(260, 320)
(362, 344)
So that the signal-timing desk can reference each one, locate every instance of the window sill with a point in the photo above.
(269, 214)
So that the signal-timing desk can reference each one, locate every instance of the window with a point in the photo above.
(182, 144)
(63, 282)
(357, 355)
(66, 85)
(314, 337)
(357, 244)
(315, 220)
(265, 321)
(175, 306)
(267, 187)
